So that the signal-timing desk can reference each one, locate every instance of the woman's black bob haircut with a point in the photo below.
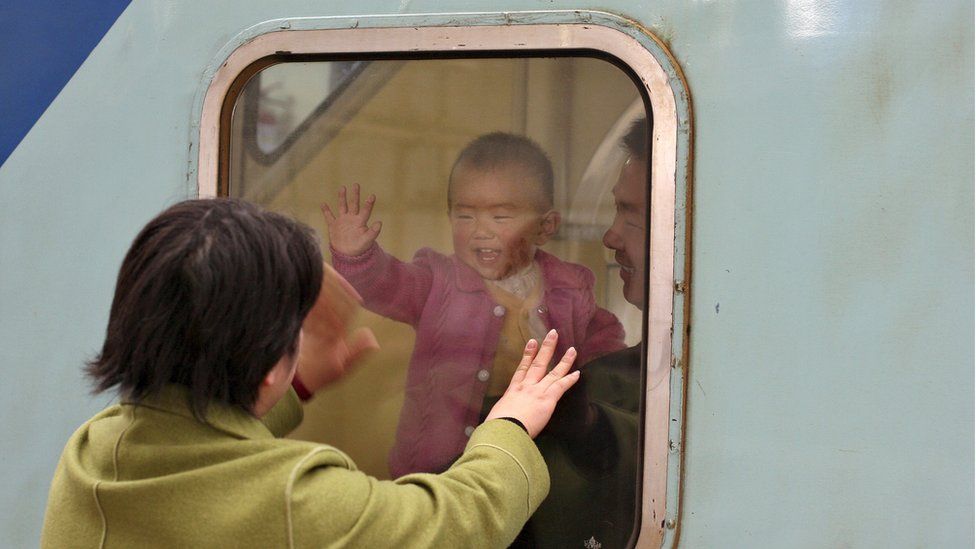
(211, 295)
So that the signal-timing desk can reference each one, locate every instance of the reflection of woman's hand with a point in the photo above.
(328, 351)
(349, 230)
(532, 394)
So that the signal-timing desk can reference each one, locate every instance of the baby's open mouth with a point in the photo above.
(486, 254)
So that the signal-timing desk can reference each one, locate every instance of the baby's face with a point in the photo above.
(498, 219)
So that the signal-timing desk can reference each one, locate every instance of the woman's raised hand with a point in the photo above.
(532, 395)
(328, 350)
(349, 229)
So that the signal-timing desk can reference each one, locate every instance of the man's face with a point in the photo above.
(627, 235)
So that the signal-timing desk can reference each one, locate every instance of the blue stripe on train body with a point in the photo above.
(43, 42)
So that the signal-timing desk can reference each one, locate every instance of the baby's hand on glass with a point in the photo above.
(349, 229)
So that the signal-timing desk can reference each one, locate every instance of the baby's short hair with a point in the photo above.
(503, 150)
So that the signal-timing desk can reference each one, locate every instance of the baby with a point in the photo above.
(472, 311)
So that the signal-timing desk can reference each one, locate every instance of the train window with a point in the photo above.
(474, 201)
(282, 101)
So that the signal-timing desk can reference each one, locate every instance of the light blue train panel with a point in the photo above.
(829, 386)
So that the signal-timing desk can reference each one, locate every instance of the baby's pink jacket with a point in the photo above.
(457, 330)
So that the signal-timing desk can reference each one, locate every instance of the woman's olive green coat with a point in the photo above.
(152, 475)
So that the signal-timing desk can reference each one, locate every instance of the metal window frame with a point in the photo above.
(625, 40)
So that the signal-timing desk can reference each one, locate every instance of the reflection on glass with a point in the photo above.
(458, 208)
(473, 310)
(590, 442)
(288, 94)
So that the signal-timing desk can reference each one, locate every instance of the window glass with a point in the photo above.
(473, 256)
(288, 95)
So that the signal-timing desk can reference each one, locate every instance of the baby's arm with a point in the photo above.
(349, 232)
(389, 287)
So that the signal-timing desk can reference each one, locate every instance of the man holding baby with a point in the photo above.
(474, 309)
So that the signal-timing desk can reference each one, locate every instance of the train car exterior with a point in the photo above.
(809, 329)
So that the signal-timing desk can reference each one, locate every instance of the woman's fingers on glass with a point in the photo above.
(561, 385)
(531, 347)
(361, 342)
(561, 369)
(540, 364)
(327, 214)
(337, 289)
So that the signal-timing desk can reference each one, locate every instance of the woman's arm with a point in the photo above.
(481, 501)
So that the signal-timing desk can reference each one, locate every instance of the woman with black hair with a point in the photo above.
(220, 308)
